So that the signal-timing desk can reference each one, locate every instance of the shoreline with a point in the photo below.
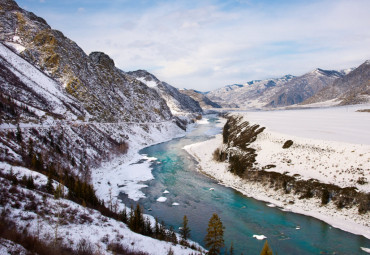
(342, 219)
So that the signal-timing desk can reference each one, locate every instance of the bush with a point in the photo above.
(287, 144)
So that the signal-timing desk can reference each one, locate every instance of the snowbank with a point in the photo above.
(345, 219)
(127, 173)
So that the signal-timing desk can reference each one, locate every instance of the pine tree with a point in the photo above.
(266, 250)
(185, 230)
(19, 134)
(215, 235)
(124, 215)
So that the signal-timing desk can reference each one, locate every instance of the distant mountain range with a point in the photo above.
(322, 87)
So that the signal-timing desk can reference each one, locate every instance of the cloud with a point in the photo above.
(208, 44)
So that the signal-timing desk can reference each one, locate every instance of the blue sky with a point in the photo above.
(211, 43)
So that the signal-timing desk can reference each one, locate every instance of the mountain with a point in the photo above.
(201, 98)
(106, 93)
(285, 91)
(253, 94)
(63, 114)
(302, 87)
(353, 88)
(179, 103)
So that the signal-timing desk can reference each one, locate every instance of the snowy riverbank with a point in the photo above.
(127, 172)
(294, 162)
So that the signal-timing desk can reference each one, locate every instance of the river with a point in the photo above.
(199, 197)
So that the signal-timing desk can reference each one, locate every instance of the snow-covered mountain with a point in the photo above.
(347, 86)
(253, 94)
(302, 87)
(353, 88)
(201, 98)
(62, 114)
(179, 103)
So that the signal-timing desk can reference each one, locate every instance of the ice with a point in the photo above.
(162, 199)
(175, 203)
(259, 237)
(365, 249)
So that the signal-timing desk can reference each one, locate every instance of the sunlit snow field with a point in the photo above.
(342, 124)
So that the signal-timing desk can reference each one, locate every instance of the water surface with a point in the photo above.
(199, 197)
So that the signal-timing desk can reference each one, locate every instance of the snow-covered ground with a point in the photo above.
(126, 173)
(341, 124)
(340, 163)
(50, 219)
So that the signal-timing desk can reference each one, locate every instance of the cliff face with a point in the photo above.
(66, 109)
(179, 104)
(103, 92)
(202, 99)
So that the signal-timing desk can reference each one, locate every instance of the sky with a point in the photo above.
(207, 44)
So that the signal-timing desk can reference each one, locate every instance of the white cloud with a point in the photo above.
(206, 46)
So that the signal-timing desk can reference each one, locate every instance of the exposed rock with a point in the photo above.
(201, 98)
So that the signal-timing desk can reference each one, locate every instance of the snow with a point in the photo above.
(202, 121)
(126, 173)
(166, 192)
(162, 199)
(38, 178)
(341, 124)
(16, 46)
(365, 249)
(259, 237)
(150, 83)
(175, 204)
(9, 247)
(35, 79)
(82, 223)
(337, 156)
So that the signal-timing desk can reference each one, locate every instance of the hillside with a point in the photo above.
(64, 113)
(179, 103)
(353, 88)
(300, 88)
(201, 98)
(253, 94)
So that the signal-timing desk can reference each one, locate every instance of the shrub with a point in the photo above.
(287, 144)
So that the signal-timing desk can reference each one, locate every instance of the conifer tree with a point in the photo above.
(266, 250)
(19, 134)
(185, 230)
(215, 235)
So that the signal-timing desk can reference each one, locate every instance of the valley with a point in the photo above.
(95, 159)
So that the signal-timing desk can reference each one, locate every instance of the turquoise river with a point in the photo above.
(199, 196)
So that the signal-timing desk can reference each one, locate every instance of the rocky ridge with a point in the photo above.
(201, 98)
(353, 88)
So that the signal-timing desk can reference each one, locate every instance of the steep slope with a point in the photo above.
(352, 88)
(179, 103)
(105, 92)
(201, 98)
(63, 113)
(253, 94)
(300, 88)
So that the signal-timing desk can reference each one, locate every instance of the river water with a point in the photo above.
(199, 197)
